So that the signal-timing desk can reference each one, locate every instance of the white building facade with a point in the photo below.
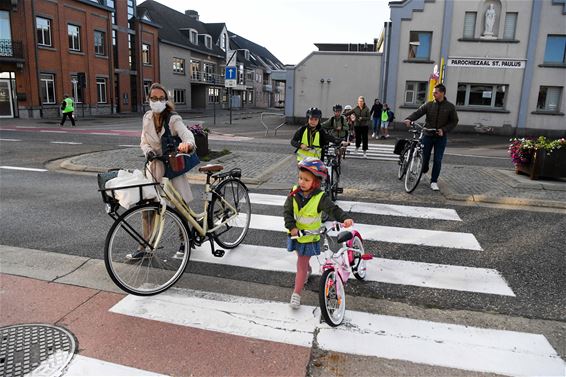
(505, 61)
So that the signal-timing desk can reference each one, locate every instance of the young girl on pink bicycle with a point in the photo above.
(303, 211)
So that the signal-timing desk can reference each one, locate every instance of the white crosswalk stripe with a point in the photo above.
(371, 208)
(428, 275)
(383, 152)
(393, 234)
(87, 366)
(413, 340)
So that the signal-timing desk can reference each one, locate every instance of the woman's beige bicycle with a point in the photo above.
(148, 247)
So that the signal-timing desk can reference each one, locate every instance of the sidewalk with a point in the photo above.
(276, 171)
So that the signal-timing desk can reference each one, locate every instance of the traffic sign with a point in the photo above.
(229, 83)
(230, 73)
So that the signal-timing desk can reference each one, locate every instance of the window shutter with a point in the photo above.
(469, 24)
(510, 24)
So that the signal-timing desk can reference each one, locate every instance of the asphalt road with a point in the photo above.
(62, 212)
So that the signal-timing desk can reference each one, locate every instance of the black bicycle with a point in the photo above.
(411, 156)
(332, 160)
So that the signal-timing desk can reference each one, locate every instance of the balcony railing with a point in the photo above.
(11, 49)
(207, 78)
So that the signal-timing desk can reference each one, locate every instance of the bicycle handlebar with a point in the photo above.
(420, 126)
(336, 226)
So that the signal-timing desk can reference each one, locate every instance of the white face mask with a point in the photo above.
(157, 106)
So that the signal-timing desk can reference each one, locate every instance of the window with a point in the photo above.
(43, 31)
(209, 70)
(223, 42)
(555, 49)
(213, 95)
(115, 48)
(179, 65)
(481, 95)
(131, 51)
(131, 13)
(99, 43)
(47, 88)
(101, 90)
(470, 25)
(193, 36)
(146, 86)
(415, 92)
(195, 69)
(74, 33)
(419, 45)
(179, 95)
(110, 4)
(208, 41)
(76, 89)
(510, 25)
(250, 96)
(146, 54)
(549, 98)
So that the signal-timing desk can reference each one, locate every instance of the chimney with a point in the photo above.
(192, 13)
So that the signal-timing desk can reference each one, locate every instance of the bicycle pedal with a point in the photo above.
(218, 253)
(339, 190)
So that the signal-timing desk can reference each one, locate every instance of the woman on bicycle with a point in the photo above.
(310, 138)
(152, 132)
(303, 211)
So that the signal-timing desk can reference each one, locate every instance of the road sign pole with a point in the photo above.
(230, 105)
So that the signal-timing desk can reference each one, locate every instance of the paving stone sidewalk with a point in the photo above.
(362, 178)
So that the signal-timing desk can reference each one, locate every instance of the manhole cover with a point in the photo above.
(35, 350)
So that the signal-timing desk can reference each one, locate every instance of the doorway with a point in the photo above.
(6, 106)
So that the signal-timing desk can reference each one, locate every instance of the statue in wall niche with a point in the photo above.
(489, 20)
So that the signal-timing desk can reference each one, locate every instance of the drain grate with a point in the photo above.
(35, 350)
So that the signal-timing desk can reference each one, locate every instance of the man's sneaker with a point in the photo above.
(295, 301)
(137, 255)
(365, 155)
(434, 186)
(387, 136)
(373, 134)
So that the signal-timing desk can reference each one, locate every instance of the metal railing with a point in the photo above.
(209, 78)
(12, 49)
(272, 114)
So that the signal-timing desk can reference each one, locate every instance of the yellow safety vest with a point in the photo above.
(308, 217)
(68, 105)
(385, 116)
(316, 153)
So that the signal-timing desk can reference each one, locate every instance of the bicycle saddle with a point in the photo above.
(210, 168)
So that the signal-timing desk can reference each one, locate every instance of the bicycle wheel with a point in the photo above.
(332, 298)
(327, 183)
(137, 262)
(403, 163)
(335, 179)
(414, 171)
(229, 196)
(358, 265)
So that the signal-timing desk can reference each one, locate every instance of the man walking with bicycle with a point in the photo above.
(440, 115)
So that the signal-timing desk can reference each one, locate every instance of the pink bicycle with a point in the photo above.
(336, 269)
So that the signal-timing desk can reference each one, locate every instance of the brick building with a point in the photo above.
(97, 51)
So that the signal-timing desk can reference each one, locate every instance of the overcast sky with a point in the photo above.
(288, 28)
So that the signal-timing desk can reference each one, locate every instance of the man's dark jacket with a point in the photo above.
(439, 115)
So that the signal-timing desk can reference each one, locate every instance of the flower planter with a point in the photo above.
(201, 142)
(543, 164)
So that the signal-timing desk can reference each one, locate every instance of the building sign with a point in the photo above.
(486, 63)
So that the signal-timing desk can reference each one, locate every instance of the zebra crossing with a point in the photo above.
(413, 340)
(383, 152)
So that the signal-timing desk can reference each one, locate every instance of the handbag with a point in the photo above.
(175, 165)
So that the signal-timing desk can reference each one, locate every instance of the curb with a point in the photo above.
(449, 194)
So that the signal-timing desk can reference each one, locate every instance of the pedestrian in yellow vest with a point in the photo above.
(67, 107)
(311, 138)
(303, 211)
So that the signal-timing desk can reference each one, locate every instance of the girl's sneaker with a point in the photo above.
(295, 300)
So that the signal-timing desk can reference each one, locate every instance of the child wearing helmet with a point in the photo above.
(309, 139)
(303, 211)
(337, 125)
